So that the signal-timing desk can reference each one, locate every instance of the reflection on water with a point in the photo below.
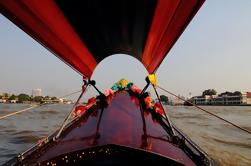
(224, 143)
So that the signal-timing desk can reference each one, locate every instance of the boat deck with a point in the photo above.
(121, 122)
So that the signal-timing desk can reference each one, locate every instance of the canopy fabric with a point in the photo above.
(83, 33)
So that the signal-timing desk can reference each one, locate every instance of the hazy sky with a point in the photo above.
(213, 52)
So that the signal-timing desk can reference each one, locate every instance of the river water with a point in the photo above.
(228, 145)
(224, 143)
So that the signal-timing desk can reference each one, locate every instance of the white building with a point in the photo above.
(246, 98)
(13, 101)
(36, 92)
(2, 101)
(223, 100)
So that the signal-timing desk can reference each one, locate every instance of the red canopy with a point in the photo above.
(83, 33)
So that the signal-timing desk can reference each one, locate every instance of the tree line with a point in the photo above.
(211, 92)
(25, 98)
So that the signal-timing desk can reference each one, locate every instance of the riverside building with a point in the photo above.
(36, 92)
(243, 99)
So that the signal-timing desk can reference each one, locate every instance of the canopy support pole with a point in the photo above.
(151, 79)
(84, 87)
(166, 116)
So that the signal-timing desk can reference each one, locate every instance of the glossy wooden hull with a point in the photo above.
(122, 122)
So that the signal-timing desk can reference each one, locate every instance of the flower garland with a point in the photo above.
(122, 84)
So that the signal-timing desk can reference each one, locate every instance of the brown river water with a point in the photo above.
(227, 145)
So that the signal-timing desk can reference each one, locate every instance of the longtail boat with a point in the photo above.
(123, 125)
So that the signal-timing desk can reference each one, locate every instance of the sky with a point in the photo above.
(214, 52)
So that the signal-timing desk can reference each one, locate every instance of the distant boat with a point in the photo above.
(124, 126)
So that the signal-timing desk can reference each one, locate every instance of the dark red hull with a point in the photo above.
(122, 122)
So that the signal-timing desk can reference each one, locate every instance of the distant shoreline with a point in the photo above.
(221, 105)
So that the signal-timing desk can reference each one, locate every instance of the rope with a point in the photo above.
(70, 113)
(243, 129)
(70, 94)
(32, 107)
(18, 112)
